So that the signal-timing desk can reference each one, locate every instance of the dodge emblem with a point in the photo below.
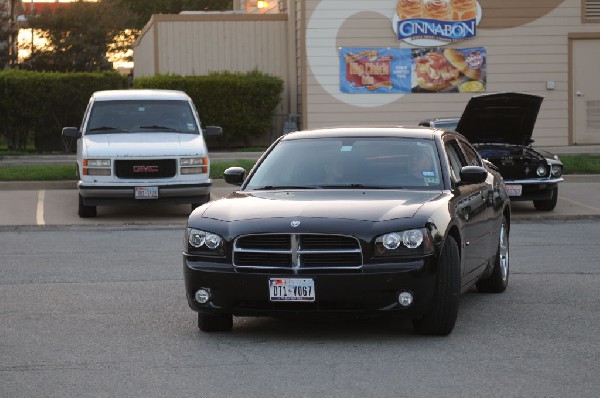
(295, 224)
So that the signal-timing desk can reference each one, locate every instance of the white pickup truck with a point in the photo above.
(141, 146)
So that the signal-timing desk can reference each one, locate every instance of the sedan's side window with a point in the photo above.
(454, 159)
(470, 154)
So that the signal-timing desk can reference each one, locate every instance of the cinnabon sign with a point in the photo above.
(436, 22)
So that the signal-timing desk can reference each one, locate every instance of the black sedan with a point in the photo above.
(351, 221)
(500, 127)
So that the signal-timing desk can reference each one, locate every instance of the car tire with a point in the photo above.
(86, 211)
(215, 323)
(205, 199)
(547, 204)
(498, 280)
(444, 310)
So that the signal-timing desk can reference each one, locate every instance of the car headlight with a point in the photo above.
(541, 171)
(556, 170)
(409, 242)
(198, 240)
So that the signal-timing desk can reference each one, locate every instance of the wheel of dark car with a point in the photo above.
(205, 199)
(442, 316)
(548, 204)
(215, 323)
(86, 211)
(498, 280)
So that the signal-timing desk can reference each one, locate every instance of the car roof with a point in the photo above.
(129, 95)
(418, 132)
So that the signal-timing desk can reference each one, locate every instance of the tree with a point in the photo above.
(78, 36)
(143, 9)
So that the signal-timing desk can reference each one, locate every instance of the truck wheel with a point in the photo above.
(86, 211)
(548, 204)
(205, 199)
(215, 323)
(444, 310)
(498, 280)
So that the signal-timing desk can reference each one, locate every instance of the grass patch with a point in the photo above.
(58, 172)
(580, 164)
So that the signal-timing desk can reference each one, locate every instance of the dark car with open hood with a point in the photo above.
(500, 127)
(351, 222)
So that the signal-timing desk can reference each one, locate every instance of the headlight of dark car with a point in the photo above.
(556, 170)
(204, 242)
(410, 242)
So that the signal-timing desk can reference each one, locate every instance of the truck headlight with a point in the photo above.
(193, 165)
(96, 167)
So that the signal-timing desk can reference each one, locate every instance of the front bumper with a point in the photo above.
(541, 189)
(98, 195)
(373, 290)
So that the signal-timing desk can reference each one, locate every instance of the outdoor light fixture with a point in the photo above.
(262, 4)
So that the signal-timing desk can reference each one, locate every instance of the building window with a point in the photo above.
(591, 11)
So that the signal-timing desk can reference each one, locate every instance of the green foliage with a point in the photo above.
(79, 36)
(142, 10)
(37, 105)
(242, 104)
(578, 164)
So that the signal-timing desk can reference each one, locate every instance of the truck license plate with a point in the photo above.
(514, 190)
(291, 289)
(146, 192)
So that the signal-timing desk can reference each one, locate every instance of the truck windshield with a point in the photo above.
(148, 116)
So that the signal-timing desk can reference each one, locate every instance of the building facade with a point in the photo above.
(401, 61)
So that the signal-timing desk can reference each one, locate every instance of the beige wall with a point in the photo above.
(527, 45)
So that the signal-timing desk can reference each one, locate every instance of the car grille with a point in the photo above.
(297, 253)
(145, 168)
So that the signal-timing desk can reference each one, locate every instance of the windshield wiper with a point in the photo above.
(275, 187)
(157, 127)
(352, 186)
(109, 128)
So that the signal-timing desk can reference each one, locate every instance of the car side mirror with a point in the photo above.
(473, 175)
(72, 132)
(234, 175)
(210, 131)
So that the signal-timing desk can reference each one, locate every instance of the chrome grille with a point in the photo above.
(297, 253)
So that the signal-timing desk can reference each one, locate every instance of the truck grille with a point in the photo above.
(297, 253)
(145, 168)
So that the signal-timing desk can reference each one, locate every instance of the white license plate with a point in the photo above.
(514, 190)
(291, 289)
(146, 192)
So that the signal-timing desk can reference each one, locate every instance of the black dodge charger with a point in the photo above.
(351, 221)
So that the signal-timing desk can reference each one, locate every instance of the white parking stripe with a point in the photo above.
(39, 217)
(578, 203)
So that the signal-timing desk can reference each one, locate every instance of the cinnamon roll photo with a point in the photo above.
(409, 9)
(437, 9)
(463, 10)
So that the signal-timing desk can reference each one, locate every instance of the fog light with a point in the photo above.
(405, 299)
(202, 296)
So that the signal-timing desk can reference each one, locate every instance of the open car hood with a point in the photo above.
(506, 118)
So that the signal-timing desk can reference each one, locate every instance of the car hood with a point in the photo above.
(143, 144)
(500, 118)
(363, 205)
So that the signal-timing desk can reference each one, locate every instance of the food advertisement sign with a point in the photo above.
(429, 23)
(422, 70)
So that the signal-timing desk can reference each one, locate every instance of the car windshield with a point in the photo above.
(133, 116)
(349, 163)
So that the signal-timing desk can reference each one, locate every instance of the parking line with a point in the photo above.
(579, 203)
(39, 217)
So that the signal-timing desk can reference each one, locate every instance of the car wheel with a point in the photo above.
(444, 310)
(498, 280)
(205, 199)
(548, 204)
(86, 211)
(215, 323)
